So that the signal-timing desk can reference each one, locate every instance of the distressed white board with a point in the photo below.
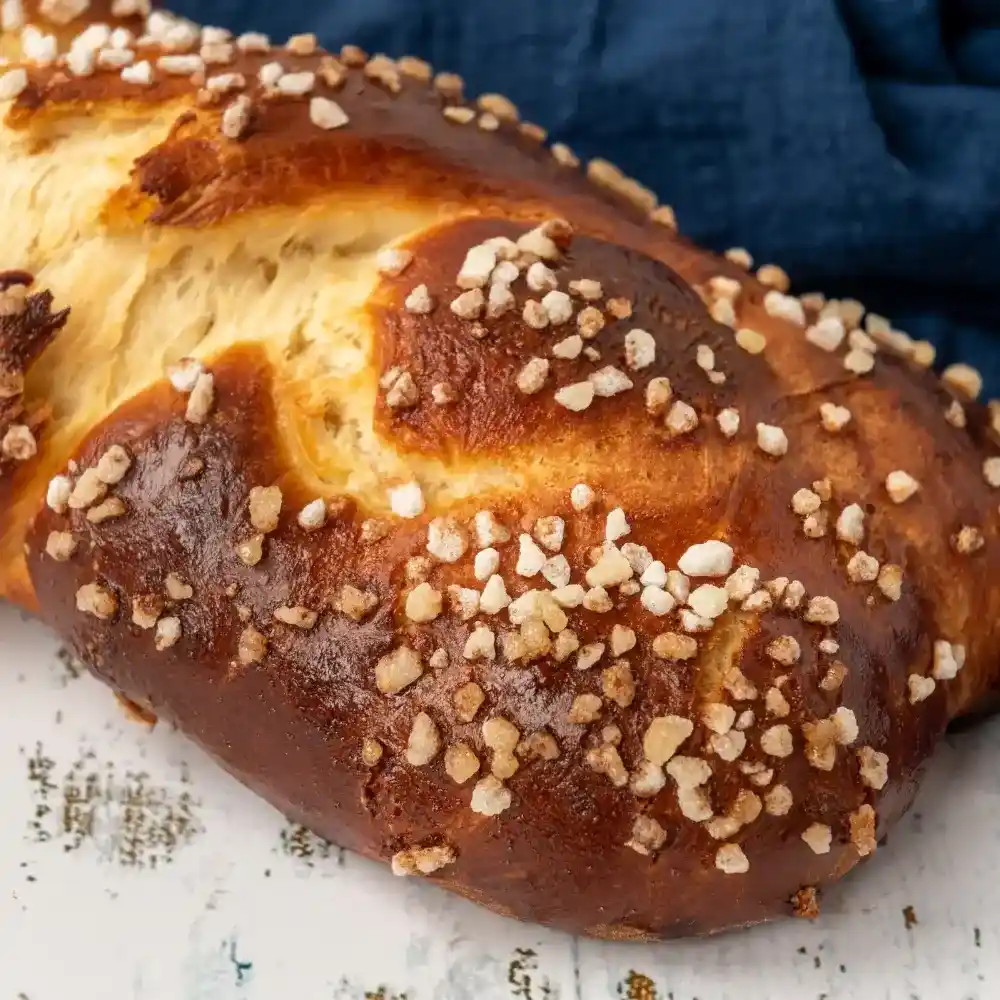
(132, 868)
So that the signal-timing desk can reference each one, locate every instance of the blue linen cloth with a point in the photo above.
(855, 142)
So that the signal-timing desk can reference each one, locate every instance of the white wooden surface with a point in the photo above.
(133, 869)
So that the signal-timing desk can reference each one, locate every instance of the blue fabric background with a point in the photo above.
(855, 142)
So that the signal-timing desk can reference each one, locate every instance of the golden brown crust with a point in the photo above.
(63, 20)
(662, 763)
(398, 138)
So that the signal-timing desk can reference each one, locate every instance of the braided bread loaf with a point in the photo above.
(454, 501)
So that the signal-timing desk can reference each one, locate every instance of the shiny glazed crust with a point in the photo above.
(457, 504)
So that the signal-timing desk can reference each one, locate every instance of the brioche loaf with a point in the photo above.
(455, 502)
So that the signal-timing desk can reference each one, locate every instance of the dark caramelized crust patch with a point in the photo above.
(27, 327)
(480, 358)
